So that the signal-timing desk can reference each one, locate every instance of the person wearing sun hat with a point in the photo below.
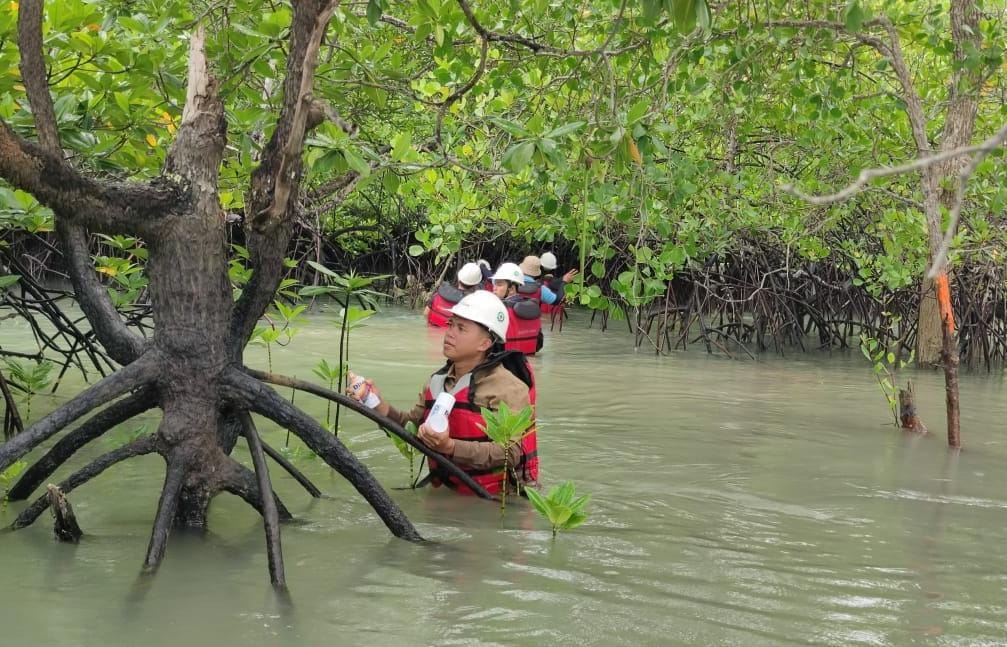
(533, 287)
(480, 374)
(438, 310)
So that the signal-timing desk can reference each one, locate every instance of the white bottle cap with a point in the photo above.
(438, 418)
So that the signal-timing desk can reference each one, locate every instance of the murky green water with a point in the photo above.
(734, 503)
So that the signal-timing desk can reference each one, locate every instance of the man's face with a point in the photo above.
(465, 339)
(501, 289)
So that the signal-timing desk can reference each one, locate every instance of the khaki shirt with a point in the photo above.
(492, 387)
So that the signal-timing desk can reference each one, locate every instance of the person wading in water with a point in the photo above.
(479, 374)
(438, 311)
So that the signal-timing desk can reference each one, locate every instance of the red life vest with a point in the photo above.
(524, 331)
(445, 298)
(465, 422)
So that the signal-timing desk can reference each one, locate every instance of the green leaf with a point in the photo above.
(356, 162)
(416, 250)
(566, 129)
(8, 280)
(891, 358)
(576, 519)
(373, 11)
(854, 17)
(638, 111)
(538, 502)
(518, 156)
(559, 514)
(515, 129)
(563, 494)
(402, 143)
(684, 14)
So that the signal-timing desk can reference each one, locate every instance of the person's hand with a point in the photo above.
(442, 443)
(570, 276)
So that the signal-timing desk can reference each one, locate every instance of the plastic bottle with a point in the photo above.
(362, 392)
(438, 418)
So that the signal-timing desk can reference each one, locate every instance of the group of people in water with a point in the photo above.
(492, 320)
(525, 291)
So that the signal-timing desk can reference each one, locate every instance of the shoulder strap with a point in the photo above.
(438, 379)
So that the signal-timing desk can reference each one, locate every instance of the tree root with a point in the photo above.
(174, 477)
(371, 414)
(138, 447)
(65, 525)
(243, 484)
(299, 476)
(265, 401)
(136, 374)
(270, 518)
(114, 414)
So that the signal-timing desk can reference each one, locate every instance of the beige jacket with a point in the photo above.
(492, 387)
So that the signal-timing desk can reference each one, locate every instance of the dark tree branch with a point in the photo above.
(114, 414)
(122, 344)
(535, 46)
(299, 476)
(460, 92)
(174, 478)
(138, 447)
(137, 374)
(371, 414)
(272, 201)
(270, 518)
(34, 76)
(265, 401)
(114, 207)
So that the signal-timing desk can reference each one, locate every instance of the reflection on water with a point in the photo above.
(732, 503)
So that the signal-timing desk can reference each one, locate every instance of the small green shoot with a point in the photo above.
(559, 507)
(506, 429)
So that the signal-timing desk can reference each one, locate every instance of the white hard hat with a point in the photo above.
(485, 309)
(483, 263)
(470, 274)
(548, 261)
(509, 272)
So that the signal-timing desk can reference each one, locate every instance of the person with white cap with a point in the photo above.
(554, 283)
(479, 374)
(525, 331)
(438, 310)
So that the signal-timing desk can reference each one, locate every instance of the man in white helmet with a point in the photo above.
(480, 374)
(438, 310)
(523, 309)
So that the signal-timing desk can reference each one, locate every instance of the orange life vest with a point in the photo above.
(524, 330)
(465, 422)
(440, 306)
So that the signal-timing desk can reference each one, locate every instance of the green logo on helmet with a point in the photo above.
(500, 316)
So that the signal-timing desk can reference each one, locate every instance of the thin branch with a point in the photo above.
(270, 518)
(535, 46)
(983, 151)
(460, 92)
(299, 476)
(886, 171)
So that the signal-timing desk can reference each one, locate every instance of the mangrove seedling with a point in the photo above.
(343, 288)
(506, 428)
(559, 507)
(408, 451)
(331, 374)
(7, 477)
(28, 379)
(886, 364)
